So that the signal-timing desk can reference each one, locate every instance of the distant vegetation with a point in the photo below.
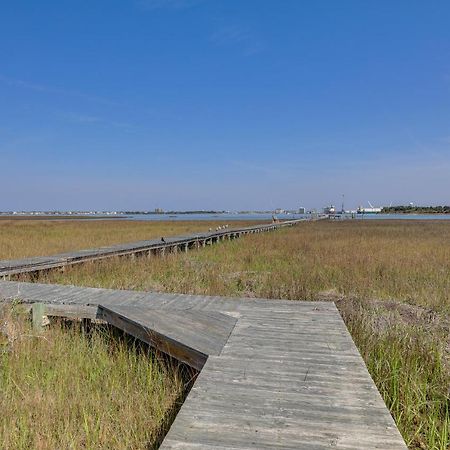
(172, 212)
(23, 238)
(410, 209)
(390, 281)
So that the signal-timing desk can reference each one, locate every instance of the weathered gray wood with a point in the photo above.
(271, 390)
(187, 336)
(38, 316)
(40, 311)
(40, 263)
(275, 374)
(160, 341)
(71, 311)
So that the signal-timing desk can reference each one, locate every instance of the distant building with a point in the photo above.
(302, 210)
(279, 211)
(159, 211)
(329, 210)
(372, 210)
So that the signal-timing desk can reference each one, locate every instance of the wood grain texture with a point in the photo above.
(36, 264)
(189, 336)
(275, 374)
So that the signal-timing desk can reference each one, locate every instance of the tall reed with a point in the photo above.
(69, 389)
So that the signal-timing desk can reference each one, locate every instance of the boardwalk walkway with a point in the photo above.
(274, 374)
(10, 268)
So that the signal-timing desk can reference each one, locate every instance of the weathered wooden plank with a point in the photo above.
(275, 374)
(36, 264)
(206, 331)
(254, 394)
(166, 345)
(189, 336)
(71, 311)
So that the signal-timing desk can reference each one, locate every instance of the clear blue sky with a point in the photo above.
(228, 104)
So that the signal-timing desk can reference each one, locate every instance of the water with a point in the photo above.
(228, 217)
(222, 217)
(268, 217)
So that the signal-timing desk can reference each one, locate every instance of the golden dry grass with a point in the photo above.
(23, 238)
(390, 280)
(376, 259)
(68, 389)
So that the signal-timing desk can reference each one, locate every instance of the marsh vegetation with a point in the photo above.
(389, 279)
(70, 389)
(24, 238)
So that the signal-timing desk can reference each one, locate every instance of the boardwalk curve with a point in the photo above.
(275, 374)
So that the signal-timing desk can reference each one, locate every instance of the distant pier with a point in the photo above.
(272, 374)
(34, 265)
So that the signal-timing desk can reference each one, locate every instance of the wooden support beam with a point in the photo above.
(38, 316)
(275, 374)
(40, 312)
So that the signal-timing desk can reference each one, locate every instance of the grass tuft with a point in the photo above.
(66, 388)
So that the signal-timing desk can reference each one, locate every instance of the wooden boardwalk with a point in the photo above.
(274, 374)
(9, 268)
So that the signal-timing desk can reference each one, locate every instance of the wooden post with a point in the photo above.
(38, 316)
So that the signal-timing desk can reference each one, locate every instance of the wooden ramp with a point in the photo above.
(187, 336)
(275, 374)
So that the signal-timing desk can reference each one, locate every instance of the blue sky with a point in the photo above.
(232, 104)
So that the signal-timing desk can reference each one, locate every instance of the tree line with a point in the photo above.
(411, 209)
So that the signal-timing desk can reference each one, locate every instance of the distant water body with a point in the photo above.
(262, 216)
(232, 217)
(212, 217)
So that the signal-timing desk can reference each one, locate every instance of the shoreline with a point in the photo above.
(55, 217)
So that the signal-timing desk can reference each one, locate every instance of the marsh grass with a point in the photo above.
(390, 280)
(406, 353)
(72, 389)
(404, 261)
(24, 238)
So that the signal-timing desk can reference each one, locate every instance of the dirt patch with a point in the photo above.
(395, 312)
(384, 315)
